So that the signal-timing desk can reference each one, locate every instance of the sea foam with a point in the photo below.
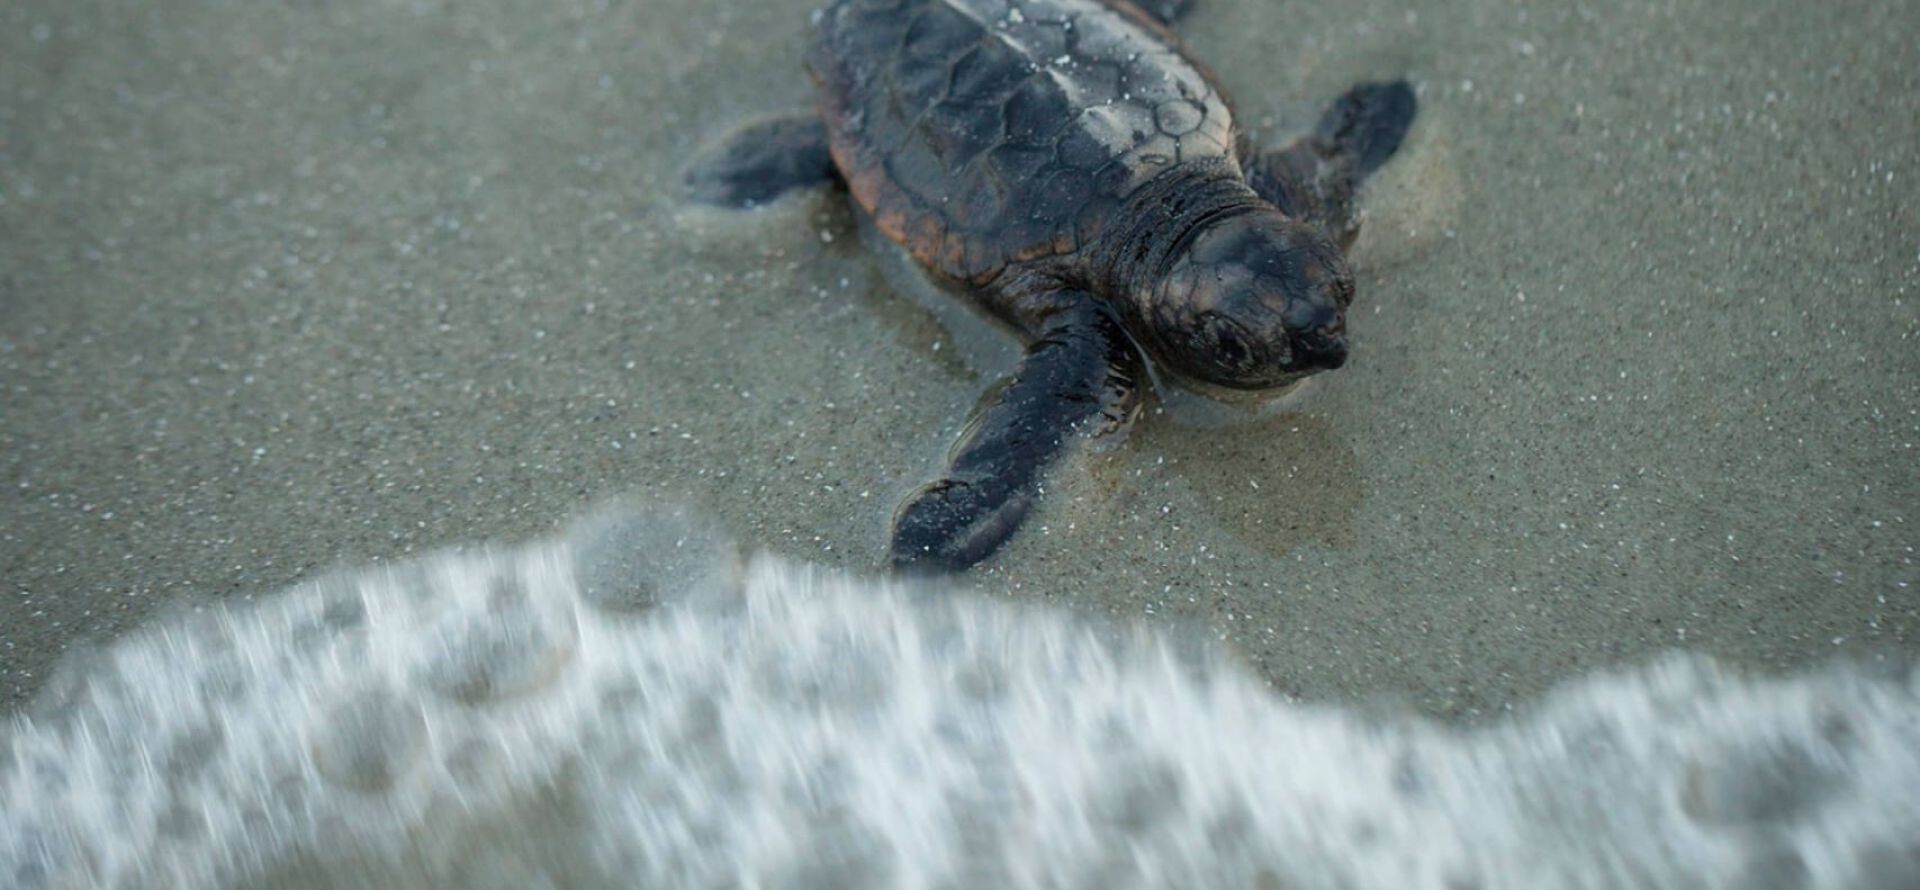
(635, 705)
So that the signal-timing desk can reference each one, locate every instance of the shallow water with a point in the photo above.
(285, 287)
(629, 706)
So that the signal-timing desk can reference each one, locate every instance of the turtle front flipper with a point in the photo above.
(762, 161)
(1079, 380)
(1314, 178)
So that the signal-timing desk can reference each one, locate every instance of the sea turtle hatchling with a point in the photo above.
(1068, 166)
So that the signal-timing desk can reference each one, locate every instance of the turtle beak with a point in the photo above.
(1321, 350)
(1319, 340)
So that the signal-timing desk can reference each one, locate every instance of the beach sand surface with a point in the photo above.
(1636, 352)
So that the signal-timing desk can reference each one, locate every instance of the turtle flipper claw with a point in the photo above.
(762, 161)
(1079, 380)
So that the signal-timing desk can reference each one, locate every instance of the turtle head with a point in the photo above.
(1253, 301)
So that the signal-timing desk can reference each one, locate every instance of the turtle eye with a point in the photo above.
(1232, 353)
(1230, 348)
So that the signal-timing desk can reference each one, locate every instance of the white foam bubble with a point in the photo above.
(626, 707)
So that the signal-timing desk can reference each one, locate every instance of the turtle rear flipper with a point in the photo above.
(762, 161)
(1314, 178)
(1079, 380)
(1166, 12)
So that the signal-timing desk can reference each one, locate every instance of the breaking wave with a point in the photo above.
(635, 705)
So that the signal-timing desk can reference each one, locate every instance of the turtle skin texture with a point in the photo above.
(1068, 167)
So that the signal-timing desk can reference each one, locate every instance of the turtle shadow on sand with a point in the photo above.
(1075, 175)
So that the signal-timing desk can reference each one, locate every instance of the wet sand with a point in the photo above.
(1635, 369)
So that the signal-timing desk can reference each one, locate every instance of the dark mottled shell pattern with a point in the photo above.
(980, 133)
